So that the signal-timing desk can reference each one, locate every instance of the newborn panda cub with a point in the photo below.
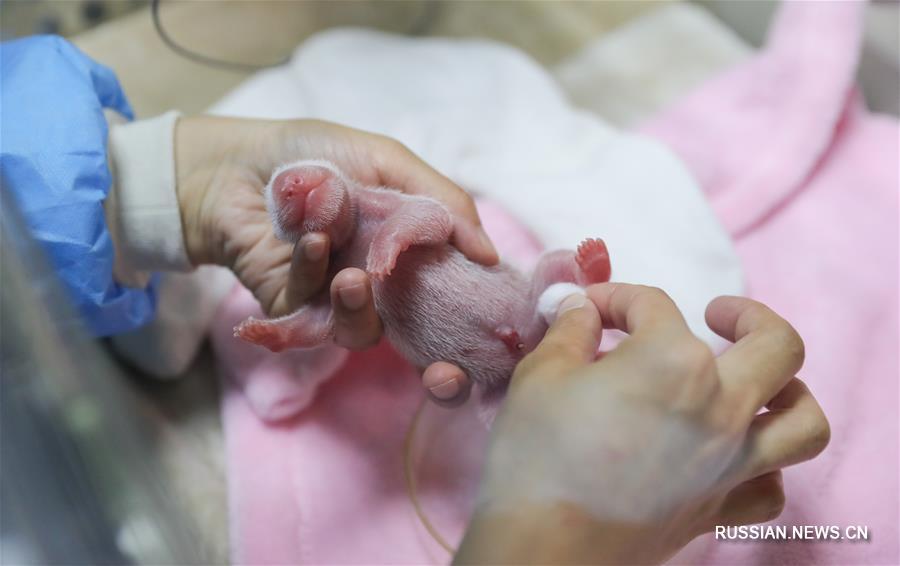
(435, 304)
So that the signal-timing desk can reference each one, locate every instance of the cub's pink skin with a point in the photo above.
(435, 304)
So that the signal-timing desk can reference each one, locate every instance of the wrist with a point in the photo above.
(192, 178)
(553, 533)
(142, 209)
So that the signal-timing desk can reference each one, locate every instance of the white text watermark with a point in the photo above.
(792, 532)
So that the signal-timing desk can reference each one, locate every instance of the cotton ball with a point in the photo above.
(549, 301)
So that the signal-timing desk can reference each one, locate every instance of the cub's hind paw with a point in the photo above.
(261, 333)
(592, 258)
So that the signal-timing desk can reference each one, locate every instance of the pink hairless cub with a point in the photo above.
(436, 305)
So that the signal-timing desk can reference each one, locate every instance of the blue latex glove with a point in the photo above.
(53, 138)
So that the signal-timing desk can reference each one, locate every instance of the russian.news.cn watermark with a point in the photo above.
(792, 532)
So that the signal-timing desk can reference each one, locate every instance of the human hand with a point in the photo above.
(222, 166)
(626, 459)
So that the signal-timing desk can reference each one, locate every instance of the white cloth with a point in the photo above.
(142, 207)
(495, 122)
(640, 68)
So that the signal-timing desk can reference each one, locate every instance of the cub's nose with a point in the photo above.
(290, 190)
(292, 186)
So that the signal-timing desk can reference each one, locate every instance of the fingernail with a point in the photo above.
(314, 250)
(485, 241)
(574, 301)
(353, 297)
(446, 391)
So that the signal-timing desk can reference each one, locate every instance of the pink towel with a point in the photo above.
(807, 183)
(806, 180)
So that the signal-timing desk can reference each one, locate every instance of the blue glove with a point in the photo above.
(53, 138)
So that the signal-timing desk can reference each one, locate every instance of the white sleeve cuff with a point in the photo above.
(142, 207)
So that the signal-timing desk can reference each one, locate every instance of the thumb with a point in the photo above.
(571, 341)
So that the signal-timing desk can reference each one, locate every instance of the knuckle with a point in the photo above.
(458, 202)
(789, 341)
(349, 277)
(690, 357)
(776, 504)
(385, 151)
(555, 349)
(356, 340)
(645, 293)
(546, 360)
(818, 434)
(756, 313)
(775, 329)
(467, 203)
(628, 298)
(369, 341)
(725, 418)
(392, 147)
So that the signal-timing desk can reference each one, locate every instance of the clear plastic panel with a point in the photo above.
(78, 480)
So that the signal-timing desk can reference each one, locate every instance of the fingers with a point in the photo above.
(660, 344)
(400, 168)
(636, 308)
(356, 324)
(571, 341)
(794, 430)
(757, 500)
(767, 353)
(446, 384)
(309, 264)
(471, 239)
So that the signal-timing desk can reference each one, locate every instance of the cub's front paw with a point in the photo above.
(381, 262)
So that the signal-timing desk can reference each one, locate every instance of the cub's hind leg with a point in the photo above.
(309, 327)
(587, 265)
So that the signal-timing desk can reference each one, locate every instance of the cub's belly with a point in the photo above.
(438, 306)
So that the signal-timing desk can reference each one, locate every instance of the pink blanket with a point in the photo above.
(806, 181)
